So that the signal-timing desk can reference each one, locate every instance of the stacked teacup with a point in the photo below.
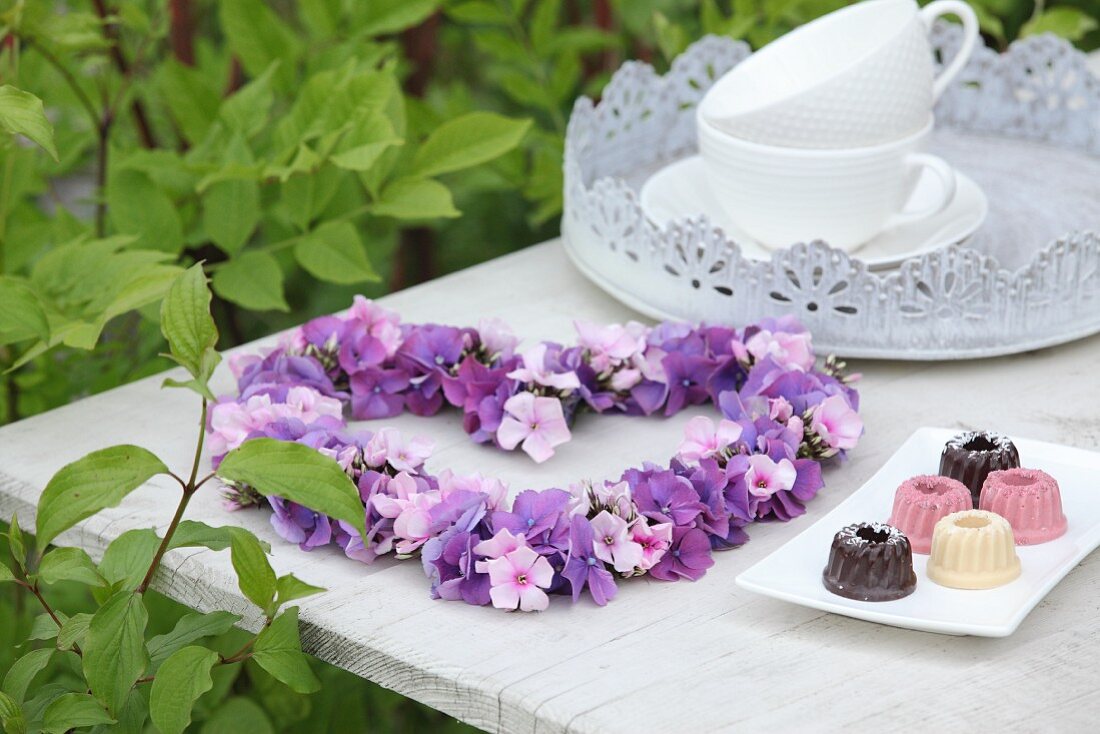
(819, 135)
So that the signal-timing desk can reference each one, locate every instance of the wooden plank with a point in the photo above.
(699, 657)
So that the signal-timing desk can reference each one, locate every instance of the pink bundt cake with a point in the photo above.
(919, 504)
(1031, 502)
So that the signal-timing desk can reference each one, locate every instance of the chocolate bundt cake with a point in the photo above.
(870, 562)
(969, 457)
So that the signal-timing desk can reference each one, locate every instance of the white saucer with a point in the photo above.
(679, 191)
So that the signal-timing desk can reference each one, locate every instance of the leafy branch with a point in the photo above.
(114, 655)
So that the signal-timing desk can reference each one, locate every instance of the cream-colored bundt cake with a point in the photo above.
(973, 549)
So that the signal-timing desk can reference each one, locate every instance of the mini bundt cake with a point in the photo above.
(920, 502)
(1031, 502)
(870, 562)
(969, 457)
(973, 549)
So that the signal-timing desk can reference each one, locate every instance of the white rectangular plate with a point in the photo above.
(793, 573)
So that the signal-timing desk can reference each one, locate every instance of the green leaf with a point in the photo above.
(127, 558)
(137, 206)
(22, 672)
(68, 564)
(230, 211)
(44, 695)
(466, 141)
(478, 11)
(192, 97)
(17, 543)
(11, 716)
(253, 280)
(73, 632)
(238, 714)
(21, 113)
(255, 576)
(672, 39)
(415, 198)
(365, 142)
(389, 16)
(290, 587)
(179, 682)
(1070, 23)
(186, 323)
(278, 650)
(6, 574)
(114, 650)
(231, 207)
(334, 253)
(247, 110)
(194, 534)
(190, 628)
(98, 481)
(73, 711)
(297, 473)
(44, 627)
(259, 37)
(23, 316)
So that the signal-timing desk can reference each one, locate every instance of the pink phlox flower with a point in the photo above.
(381, 323)
(387, 446)
(611, 345)
(784, 348)
(654, 540)
(702, 439)
(231, 422)
(612, 542)
(497, 337)
(624, 379)
(780, 409)
(501, 543)
(534, 371)
(765, 477)
(495, 490)
(838, 425)
(536, 422)
(307, 405)
(518, 579)
(615, 497)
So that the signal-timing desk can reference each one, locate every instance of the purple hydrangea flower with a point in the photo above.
(299, 524)
(583, 568)
(687, 380)
(449, 561)
(688, 557)
(663, 496)
(377, 393)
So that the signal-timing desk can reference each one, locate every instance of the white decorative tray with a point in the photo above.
(793, 573)
(1024, 125)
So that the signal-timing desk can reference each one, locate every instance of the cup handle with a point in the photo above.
(914, 162)
(934, 10)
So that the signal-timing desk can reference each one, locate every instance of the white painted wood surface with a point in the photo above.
(662, 657)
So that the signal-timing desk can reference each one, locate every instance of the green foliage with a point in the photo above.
(114, 653)
(279, 652)
(21, 113)
(180, 681)
(113, 657)
(297, 473)
(98, 481)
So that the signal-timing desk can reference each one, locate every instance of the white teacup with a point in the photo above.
(780, 196)
(860, 76)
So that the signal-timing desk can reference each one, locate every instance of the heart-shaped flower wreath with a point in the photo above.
(782, 417)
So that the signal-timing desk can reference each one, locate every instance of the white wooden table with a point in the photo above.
(662, 657)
